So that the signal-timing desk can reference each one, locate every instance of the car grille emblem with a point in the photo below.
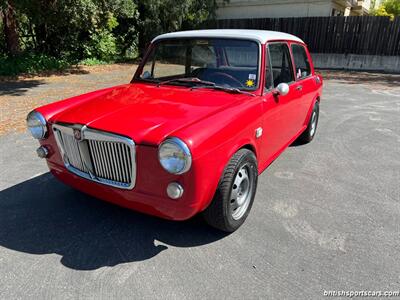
(77, 134)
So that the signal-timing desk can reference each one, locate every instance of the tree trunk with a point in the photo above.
(10, 28)
(141, 37)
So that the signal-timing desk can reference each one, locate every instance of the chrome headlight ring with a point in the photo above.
(37, 125)
(174, 156)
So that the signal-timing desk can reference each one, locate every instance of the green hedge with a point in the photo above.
(30, 64)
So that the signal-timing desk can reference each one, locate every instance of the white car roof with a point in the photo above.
(262, 36)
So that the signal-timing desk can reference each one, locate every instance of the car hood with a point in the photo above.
(145, 112)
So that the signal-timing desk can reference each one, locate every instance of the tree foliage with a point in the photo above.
(71, 27)
(388, 8)
(159, 16)
(98, 29)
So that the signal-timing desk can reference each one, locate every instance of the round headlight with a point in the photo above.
(174, 156)
(36, 124)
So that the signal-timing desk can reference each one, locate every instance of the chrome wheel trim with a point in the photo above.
(313, 123)
(241, 192)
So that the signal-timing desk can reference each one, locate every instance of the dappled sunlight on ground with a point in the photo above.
(21, 95)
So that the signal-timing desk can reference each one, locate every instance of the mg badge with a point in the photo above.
(77, 134)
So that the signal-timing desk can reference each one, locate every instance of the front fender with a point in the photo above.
(213, 142)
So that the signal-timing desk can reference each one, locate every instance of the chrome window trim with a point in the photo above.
(93, 134)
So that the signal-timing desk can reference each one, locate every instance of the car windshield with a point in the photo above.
(230, 63)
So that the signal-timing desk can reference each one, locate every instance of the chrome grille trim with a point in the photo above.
(98, 156)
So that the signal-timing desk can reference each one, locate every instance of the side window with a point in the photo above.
(301, 62)
(281, 65)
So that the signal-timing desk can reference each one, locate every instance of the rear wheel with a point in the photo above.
(308, 135)
(235, 193)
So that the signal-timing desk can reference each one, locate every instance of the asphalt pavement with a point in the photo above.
(326, 217)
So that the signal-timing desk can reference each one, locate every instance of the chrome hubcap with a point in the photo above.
(313, 123)
(241, 193)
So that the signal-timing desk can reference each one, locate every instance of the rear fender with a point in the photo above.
(316, 99)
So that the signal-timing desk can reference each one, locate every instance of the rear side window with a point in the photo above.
(301, 62)
(281, 65)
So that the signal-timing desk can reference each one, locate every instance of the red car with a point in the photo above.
(205, 113)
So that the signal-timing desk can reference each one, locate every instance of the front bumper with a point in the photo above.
(162, 207)
(150, 192)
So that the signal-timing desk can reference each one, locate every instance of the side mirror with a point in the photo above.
(282, 89)
(146, 75)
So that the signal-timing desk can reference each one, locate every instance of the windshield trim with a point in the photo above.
(136, 76)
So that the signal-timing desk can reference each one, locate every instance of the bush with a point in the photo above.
(30, 64)
(91, 31)
(102, 46)
(92, 62)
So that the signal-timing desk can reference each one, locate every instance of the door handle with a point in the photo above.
(299, 87)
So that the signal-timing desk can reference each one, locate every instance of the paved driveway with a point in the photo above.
(326, 217)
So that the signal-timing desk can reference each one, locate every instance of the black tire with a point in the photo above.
(221, 213)
(308, 134)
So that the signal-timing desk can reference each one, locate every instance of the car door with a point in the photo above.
(305, 83)
(278, 124)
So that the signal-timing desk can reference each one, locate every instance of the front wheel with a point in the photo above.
(235, 193)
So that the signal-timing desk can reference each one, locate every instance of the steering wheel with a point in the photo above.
(228, 76)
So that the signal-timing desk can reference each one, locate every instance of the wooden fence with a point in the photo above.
(355, 35)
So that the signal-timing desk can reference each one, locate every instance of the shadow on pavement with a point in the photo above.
(19, 85)
(42, 216)
(18, 88)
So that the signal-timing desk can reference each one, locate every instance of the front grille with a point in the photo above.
(95, 155)
(111, 160)
(72, 154)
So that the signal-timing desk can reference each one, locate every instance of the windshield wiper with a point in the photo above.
(223, 88)
(193, 80)
(204, 84)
